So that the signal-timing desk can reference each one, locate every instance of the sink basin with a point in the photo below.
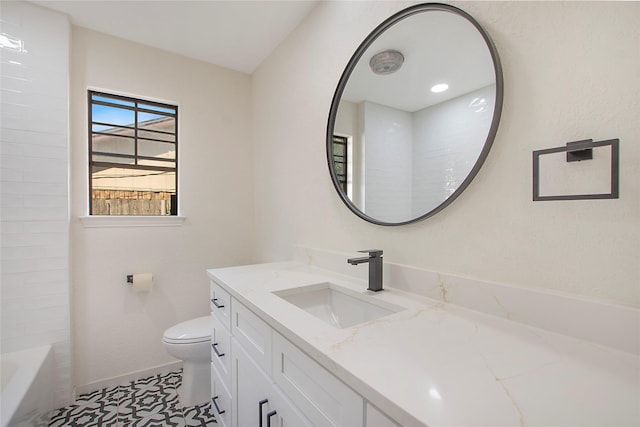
(337, 306)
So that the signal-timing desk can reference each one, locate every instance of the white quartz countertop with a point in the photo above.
(436, 364)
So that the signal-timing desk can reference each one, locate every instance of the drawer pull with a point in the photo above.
(269, 415)
(215, 349)
(262, 402)
(216, 405)
(216, 303)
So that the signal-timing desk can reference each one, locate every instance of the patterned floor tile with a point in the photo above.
(111, 394)
(165, 419)
(172, 378)
(88, 415)
(144, 383)
(149, 402)
(199, 416)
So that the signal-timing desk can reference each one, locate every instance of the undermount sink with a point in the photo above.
(338, 306)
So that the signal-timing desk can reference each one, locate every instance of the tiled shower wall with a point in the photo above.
(35, 290)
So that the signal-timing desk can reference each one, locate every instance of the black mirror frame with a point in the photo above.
(344, 78)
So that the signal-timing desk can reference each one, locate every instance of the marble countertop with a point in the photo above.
(437, 364)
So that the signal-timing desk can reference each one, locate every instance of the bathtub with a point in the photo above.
(26, 395)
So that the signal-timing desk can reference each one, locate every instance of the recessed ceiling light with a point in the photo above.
(439, 88)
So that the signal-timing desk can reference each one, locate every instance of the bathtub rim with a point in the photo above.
(30, 362)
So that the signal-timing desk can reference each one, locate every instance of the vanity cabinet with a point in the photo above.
(259, 378)
(258, 401)
(323, 398)
(375, 418)
(221, 304)
(220, 399)
(253, 334)
(221, 350)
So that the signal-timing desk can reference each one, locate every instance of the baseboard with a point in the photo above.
(126, 378)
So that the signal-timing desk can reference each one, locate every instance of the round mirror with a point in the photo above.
(414, 114)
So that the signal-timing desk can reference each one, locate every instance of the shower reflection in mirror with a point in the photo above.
(424, 155)
(418, 107)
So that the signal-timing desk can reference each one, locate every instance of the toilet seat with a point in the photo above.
(189, 332)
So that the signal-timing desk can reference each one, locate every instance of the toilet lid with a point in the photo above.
(191, 331)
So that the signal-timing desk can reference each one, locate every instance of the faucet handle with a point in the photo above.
(373, 253)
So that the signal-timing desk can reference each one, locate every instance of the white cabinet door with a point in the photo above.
(251, 394)
(324, 399)
(220, 399)
(286, 414)
(253, 334)
(375, 418)
(257, 402)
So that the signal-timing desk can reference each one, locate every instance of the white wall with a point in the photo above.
(571, 72)
(116, 330)
(35, 216)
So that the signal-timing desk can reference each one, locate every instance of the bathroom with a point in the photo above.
(570, 73)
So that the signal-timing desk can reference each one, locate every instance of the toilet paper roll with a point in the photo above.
(142, 282)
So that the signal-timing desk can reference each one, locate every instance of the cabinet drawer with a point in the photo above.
(221, 350)
(253, 334)
(221, 304)
(220, 399)
(323, 398)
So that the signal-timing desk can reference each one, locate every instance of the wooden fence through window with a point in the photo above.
(119, 202)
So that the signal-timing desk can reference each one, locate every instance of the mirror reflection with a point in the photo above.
(414, 115)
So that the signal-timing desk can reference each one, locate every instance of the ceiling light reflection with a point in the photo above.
(441, 87)
(9, 42)
(433, 392)
(479, 104)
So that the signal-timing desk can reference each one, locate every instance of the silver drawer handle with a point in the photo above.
(215, 302)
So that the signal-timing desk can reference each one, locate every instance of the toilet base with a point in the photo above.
(196, 384)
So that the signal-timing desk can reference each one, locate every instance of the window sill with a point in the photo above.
(104, 221)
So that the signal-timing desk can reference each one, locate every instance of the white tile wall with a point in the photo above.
(448, 139)
(34, 177)
(402, 150)
(388, 159)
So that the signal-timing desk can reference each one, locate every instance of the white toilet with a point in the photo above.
(190, 341)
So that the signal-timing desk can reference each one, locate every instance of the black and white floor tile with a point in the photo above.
(149, 402)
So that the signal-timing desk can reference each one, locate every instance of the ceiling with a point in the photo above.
(236, 34)
(438, 47)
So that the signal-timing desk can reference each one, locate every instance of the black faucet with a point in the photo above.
(375, 267)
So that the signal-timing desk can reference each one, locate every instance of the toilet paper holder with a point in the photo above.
(142, 282)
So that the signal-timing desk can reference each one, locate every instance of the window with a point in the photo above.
(340, 160)
(133, 167)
